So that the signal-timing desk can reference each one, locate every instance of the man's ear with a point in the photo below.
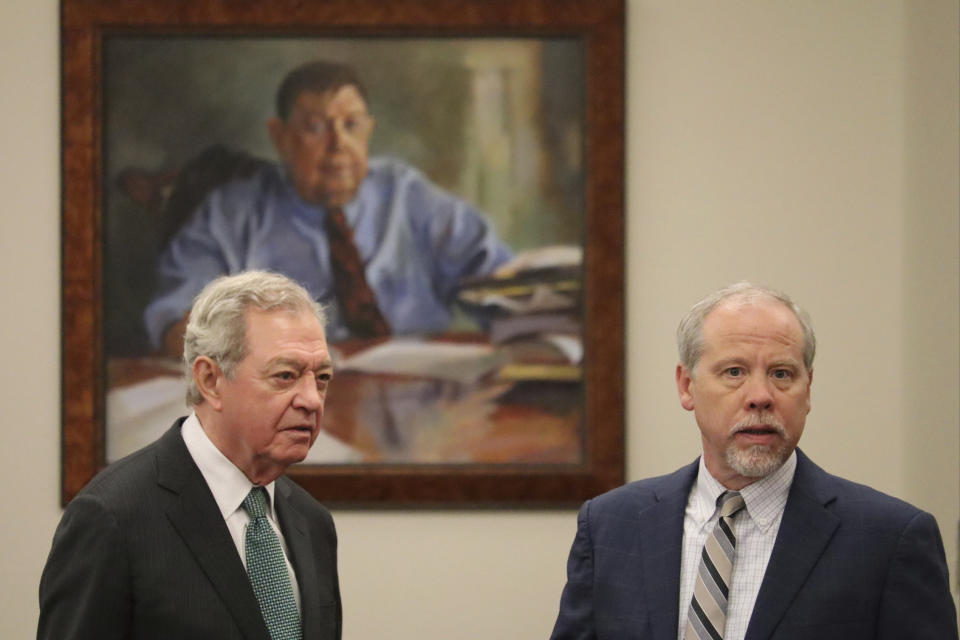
(208, 376)
(684, 381)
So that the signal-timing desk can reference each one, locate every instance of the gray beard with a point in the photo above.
(757, 461)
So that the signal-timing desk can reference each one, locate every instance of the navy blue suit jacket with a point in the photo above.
(849, 562)
(144, 552)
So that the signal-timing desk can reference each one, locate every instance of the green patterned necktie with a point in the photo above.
(268, 571)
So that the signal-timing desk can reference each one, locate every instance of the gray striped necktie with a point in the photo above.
(268, 571)
(708, 609)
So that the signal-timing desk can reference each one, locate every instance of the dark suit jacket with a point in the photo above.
(143, 552)
(849, 562)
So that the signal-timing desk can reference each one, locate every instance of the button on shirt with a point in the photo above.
(756, 530)
(417, 243)
(229, 487)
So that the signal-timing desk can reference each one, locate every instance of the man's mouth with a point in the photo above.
(305, 429)
(758, 434)
(336, 167)
(762, 429)
(757, 430)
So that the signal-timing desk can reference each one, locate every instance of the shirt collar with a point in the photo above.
(227, 483)
(766, 498)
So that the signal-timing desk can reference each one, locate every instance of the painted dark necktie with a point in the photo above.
(358, 306)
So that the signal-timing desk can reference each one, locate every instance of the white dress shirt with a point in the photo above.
(230, 487)
(756, 530)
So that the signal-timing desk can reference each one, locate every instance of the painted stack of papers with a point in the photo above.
(534, 304)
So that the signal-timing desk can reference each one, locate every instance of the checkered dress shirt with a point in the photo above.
(755, 529)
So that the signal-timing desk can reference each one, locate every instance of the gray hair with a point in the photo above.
(690, 331)
(217, 327)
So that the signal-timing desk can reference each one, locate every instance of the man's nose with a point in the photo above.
(336, 134)
(759, 393)
(308, 396)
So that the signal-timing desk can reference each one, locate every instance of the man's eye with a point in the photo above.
(319, 127)
(781, 374)
(735, 372)
(286, 376)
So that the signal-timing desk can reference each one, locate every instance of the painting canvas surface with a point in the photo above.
(498, 122)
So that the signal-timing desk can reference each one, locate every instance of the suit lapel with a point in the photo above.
(197, 519)
(805, 531)
(296, 534)
(662, 551)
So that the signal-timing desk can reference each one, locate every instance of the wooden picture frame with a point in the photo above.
(598, 28)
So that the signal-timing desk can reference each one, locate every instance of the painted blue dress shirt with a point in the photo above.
(416, 240)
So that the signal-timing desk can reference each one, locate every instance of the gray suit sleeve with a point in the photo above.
(84, 590)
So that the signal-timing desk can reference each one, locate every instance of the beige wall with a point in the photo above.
(809, 145)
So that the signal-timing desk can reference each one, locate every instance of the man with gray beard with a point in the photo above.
(753, 540)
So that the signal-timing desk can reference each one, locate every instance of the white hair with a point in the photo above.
(217, 327)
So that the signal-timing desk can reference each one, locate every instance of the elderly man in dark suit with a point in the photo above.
(199, 535)
(753, 540)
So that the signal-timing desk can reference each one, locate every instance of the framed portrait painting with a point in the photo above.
(510, 392)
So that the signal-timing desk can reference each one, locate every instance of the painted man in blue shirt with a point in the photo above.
(416, 241)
